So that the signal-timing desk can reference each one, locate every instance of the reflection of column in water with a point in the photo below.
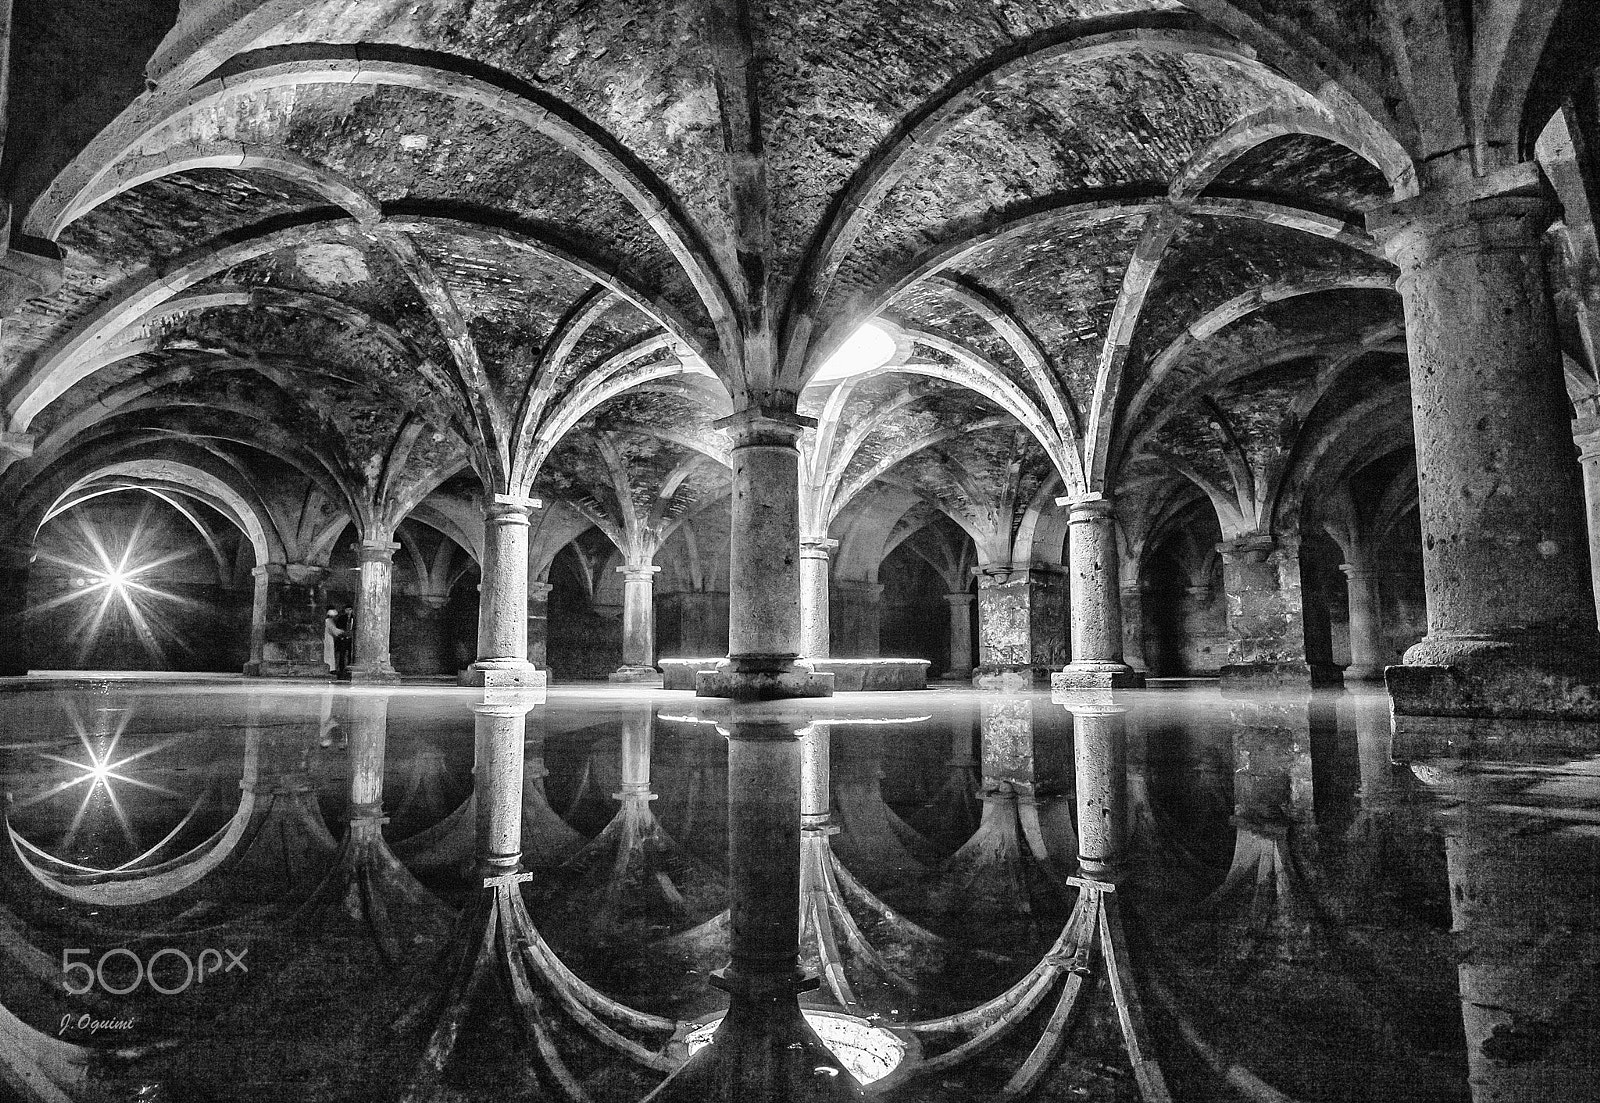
(1025, 842)
(644, 882)
(873, 841)
(763, 1049)
(286, 849)
(831, 898)
(367, 883)
(1273, 811)
(500, 965)
(1527, 939)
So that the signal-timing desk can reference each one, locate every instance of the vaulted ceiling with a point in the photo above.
(1119, 244)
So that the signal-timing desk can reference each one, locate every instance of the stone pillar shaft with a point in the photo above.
(503, 599)
(1100, 763)
(1511, 614)
(286, 623)
(1096, 602)
(764, 565)
(1266, 615)
(369, 716)
(960, 634)
(370, 660)
(15, 561)
(764, 856)
(1586, 435)
(1366, 624)
(638, 624)
(1133, 627)
(815, 609)
(499, 731)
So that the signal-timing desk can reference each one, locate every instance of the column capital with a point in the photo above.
(818, 546)
(538, 591)
(1358, 573)
(1092, 506)
(638, 572)
(958, 598)
(375, 551)
(1506, 210)
(510, 509)
(1257, 547)
(758, 427)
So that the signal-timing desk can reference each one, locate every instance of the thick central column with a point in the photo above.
(815, 608)
(1511, 615)
(1366, 623)
(764, 637)
(371, 658)
(638, 625)
(1096, 603)
(1100, 766)
(764, 1049)
(503, 599)
(499, 733)
(960, 604)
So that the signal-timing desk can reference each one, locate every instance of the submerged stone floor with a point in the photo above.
(1307, 914)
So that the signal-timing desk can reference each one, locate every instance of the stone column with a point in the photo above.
(369, 718)
(370, 657)
(1522, 920)
(286, 620)
(1511, 614)
(500, 724)
(764, 1048)
(1366, 624)
(815, 611)
(1022, 629)
(1266, 625)
(638, 625)
(539, 624)
(1132, 596)
(15, 654)
(1100, 767)
(1096, 603)
(960, 603)
(1586, 435)
(503, 599)
(764, 565)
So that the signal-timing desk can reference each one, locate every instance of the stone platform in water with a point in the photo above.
(849, 675)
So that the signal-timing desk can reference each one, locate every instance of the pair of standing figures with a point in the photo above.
(338, 639)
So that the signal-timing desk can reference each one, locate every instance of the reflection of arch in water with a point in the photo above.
(634, 876)
(276, 836)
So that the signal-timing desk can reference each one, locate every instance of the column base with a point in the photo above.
(1006, 679)
(963, 674)
(1096, 676)
(759, 679)
(1290, 675)
(1354, 673)
(503, 674)
(286, 668)
(1547, 676)
(386, 675)
(636, 675)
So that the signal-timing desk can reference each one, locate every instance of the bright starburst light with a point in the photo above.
(101, 770)
(108, 582)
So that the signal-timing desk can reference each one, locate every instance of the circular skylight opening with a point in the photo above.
(869, 1053)
(867, 349)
